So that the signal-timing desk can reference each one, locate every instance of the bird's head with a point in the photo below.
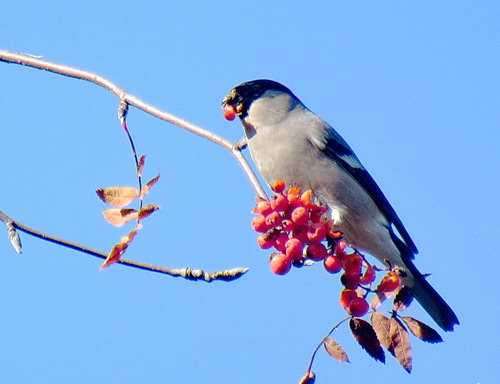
(242, 97)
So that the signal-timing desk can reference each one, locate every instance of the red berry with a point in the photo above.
(278, 186)
(287, 225)
(316, 251)
(346, 296)
(390, 282)
(273, 219)
(259, 224)
(307, 199)
(316, 232)
(279, 202)
(300, 216)
(293, 195)
(352, 263)
(294, 249)
(332, 263)
(369, 275)
(280, 241)
(301, 234)
(265, 241)
(358, 307)
(229, 112)
(350, 281)
(316, 215)
(263, 207)
(280, 264)
(340, 247)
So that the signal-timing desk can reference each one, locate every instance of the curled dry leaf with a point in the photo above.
(400, 344)
(114, 256)
(403, 299)
(131, 235)
(377, 300)
(140, 166)
(366, 337)
(117, 196)
(421, 330)
(146, 188)
(335, 350)
(119, 249)
(147, 210)
(381, 325)
(14, 238)
(308, 378)
(380, 297)
(119, 216)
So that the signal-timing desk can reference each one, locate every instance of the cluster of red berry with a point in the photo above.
(300, 230)
(293, 224)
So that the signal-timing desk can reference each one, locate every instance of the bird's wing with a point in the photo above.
(339, 151)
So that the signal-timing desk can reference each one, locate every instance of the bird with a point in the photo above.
(287, 141)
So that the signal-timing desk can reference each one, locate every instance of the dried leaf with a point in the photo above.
(421, 330)
(377, 300)
(117, 196)
(147, 210)
(308, 378)
(146, 188)
(119, 216)
(131, 235)
(366, 337)
(335, 350)
(381, 325)
(116, 253)
(119, 249)
(14, 238)
(403, 299)
(400, 344)
(140, 166)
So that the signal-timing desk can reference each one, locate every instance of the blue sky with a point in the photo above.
(413, 89)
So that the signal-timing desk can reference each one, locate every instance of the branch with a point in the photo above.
(186, 272)
(123, 96)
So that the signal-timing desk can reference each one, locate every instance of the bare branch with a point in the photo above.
(186, 272)
(124, 97)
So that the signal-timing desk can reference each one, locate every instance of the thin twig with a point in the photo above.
(311, 361)
(187, 273)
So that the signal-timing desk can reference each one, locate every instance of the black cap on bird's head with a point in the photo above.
(241, 97)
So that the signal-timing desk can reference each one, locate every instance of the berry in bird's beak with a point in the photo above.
(229, 111)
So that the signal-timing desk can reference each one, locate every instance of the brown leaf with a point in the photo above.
(119, 216)
(400, 344)
(119, 249)
(335, 350)
(116, 253)
(147, 210)
(146, 188)
(117, 196)
(366, 337)
(377, 300)
(403, 299)
(308, 378)
(140, 166)
(131, 235)
(421, 330)
(381, 325)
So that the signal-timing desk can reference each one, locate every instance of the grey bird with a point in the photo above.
(289, 142)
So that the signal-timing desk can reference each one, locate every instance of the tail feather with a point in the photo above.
(425, 294)
(432, 302)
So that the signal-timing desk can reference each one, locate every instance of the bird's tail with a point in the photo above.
(425, 294)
